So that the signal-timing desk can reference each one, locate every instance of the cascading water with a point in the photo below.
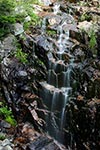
(56, 8)
(57, 90)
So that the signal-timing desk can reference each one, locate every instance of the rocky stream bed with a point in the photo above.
(61, 43)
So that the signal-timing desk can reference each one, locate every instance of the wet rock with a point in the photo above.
(31, 139)
(44, 143)
(6, 145)
(54, 20)
(52, 77)
(67, 21)
(43, 42)
(5, 142)
(7, 148)
(57, 65)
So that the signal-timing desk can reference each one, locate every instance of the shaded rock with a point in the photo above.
(4, 124)
(7, 148)
(85, 25)
(43, 42)
(5, 145)
(80, 55)
(44, 143)
(18, 29)
(6, 142)
(22, 73)
(30, 139)
(7, 46)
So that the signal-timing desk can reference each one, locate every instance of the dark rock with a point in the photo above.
(4, 124)
(43, 42)
(44, 143)
(40, 143)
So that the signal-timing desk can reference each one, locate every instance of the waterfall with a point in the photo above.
(56, 8)
(57, 90)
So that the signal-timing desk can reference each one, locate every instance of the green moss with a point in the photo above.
(2, 136)
(21, 56)
(92, 35)
(6, 16)
(85, 16)
(7, 115)
(51, 32)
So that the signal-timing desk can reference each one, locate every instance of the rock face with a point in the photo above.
(43, 143)
(24, 85)
(5, 145)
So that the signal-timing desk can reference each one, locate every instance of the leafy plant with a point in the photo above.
(7, 6)
(2, 136)
(6, 16)
(28, 9)
(92, 42)
(21, 56)
(9, 15)
(7, 115)
(85, 16)
(51, 32)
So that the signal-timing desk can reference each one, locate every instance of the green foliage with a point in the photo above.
(2, 136)
(82, 3)
(51, 32)
(20, 17)
(40, 62)
(7, 115)
(92, 42)
(85, 16)
(6, 16)
(29, 1)
(21, 56)
(27, 10)
(7, 6)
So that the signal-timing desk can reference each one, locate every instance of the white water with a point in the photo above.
(63, 38)
(58, 84)
(56, 9)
